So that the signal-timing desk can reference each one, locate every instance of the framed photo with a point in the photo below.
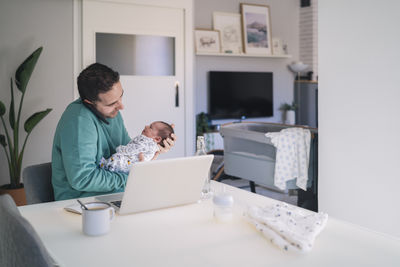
(207, 41)
(277, 47)
(229, 26)
(256, 24)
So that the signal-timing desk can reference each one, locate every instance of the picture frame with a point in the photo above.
(256, 25)
(207, 41)
(277, 46)
(229, 26)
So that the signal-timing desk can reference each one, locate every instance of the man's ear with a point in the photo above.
(87, 101)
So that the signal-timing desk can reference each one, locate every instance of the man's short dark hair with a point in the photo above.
(95, 79)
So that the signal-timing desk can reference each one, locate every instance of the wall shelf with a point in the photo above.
(242, 55)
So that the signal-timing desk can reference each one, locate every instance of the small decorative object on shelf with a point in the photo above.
(285, 48)
(277, 47)
(201, 150)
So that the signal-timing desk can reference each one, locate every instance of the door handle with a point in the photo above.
(177, 94)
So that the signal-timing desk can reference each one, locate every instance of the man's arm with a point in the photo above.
(79, 153)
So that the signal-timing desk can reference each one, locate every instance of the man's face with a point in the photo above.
(110, 103)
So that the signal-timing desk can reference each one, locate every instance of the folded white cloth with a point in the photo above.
(288, 227)
(292, 156)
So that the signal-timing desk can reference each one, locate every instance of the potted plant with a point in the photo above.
(202, 124)
(288, 112)
(203, 127)
(11, 140)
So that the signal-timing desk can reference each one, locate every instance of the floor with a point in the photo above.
(244, 184)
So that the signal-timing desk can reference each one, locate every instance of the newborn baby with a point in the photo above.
(146, 143)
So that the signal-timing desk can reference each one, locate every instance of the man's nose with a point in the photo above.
(120, 105)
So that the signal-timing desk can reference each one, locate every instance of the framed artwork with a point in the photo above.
(256, 24)
(207, 41)
(229, 26)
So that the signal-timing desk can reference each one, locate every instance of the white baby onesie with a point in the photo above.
(122, 160)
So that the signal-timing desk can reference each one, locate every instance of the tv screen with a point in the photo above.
(240, 94)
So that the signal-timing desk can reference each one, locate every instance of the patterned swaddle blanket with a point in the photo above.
(292, 156)
(125, 156)
(288, 227)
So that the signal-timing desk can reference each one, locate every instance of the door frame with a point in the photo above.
(187, 6)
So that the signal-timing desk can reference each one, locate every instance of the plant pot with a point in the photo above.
(18, 194)
(290, 117)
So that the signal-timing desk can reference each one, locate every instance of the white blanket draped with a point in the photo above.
(292, 156)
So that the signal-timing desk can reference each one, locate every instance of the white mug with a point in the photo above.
(96, 219)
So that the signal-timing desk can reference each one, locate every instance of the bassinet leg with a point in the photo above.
(252, 186)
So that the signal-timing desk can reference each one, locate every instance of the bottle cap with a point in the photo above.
(223, 199)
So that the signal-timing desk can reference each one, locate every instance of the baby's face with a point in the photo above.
(151, 130)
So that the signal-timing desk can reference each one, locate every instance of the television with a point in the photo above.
(240, 95)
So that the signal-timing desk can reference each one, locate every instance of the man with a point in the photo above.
(89, 129)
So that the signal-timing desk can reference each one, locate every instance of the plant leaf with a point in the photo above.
(12, 111)
(2, 109)
(33, 120)
(285, 106)
(24, 71)
(3, 140)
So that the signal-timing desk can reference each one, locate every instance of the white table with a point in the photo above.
(189, 236)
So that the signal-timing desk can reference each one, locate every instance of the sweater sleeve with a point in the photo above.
(79, 146)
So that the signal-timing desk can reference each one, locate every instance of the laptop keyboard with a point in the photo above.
(117, 203)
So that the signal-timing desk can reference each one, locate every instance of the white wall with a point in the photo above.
(284, 24)
(359, 92)
(25, 26)
(308, 31)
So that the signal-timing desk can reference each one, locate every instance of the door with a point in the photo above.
(145, 45)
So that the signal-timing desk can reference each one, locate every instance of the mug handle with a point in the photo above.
(112, 213)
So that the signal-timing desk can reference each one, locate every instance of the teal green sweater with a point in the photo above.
(80, 141)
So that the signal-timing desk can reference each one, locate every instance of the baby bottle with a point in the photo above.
(223, 206)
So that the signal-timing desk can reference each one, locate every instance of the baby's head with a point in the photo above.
(158, 131)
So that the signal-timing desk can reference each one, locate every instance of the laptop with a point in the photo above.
(161, 184)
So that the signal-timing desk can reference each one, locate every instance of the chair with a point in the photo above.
(217, 166)
(20, 245)
(37, 183)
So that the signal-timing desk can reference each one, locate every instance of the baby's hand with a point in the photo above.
(141, 157)
(156, 155)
